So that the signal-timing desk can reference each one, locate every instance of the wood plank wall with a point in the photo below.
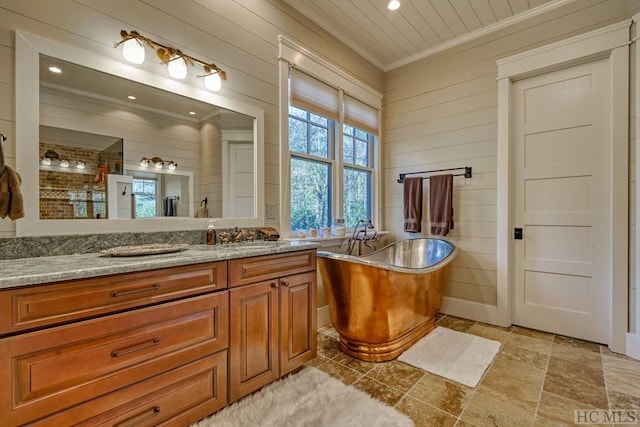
(441, 112)
(241, 36)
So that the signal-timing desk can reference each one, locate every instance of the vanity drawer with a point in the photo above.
(179, 397)
(49, 371)
(62, 302)
(255, 269)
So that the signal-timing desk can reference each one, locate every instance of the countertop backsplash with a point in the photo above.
(38, 246)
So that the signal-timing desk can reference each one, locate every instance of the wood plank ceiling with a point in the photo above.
(418, 28)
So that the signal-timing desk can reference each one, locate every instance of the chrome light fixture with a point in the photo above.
(133, 51)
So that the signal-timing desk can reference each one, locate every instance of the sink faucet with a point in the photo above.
(361, 237)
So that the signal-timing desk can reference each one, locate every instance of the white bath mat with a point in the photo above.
(460, 357)
(310, 398)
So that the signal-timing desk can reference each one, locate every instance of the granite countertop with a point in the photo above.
(33, 271)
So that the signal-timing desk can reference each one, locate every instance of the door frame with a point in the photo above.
(610, 42)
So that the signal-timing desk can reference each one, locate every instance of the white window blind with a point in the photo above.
(360, 115)
(313, 95)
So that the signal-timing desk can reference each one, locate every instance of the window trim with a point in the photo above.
(293, 54)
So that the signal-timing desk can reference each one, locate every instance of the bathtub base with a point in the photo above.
(385, 351)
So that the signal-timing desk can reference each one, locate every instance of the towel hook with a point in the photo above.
(3, 138)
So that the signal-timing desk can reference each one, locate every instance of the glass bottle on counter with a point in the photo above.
(338, 228)
(211, 233)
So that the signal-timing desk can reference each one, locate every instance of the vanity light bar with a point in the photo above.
(158, 163)
(177, 61)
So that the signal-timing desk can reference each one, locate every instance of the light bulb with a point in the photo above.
(64, 163)
(178, 68)
(133, 51)
(172, 166)
(144, 162)
(159, 165)
(393, 5)
(213, 82)
(46, 161)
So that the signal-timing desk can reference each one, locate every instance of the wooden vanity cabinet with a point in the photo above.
(160, 347)
(272, 318)
(152, 364)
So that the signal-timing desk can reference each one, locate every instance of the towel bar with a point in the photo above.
(467, 173)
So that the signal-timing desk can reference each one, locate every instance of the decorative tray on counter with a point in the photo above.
(150, 249)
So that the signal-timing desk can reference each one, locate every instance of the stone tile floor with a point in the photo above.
(537, 379)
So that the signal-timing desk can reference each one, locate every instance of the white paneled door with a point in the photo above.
(240, 202)
(561, 165)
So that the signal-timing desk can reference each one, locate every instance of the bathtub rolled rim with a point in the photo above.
(379, 264)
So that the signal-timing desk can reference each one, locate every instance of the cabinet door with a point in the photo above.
(297, 321)
(253, 346)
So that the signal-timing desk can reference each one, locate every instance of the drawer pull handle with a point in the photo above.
(274, 285)
(153, 287)
(154, 342)
(285, 284)
(155, 410)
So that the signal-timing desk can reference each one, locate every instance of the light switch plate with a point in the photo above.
(271, 211)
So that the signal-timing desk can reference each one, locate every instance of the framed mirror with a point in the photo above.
(199, 148)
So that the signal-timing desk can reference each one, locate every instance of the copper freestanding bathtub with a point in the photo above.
(383, 302)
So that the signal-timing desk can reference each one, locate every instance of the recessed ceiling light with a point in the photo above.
(193, 113)
(131, 97)
(393, 5)
(54, 69)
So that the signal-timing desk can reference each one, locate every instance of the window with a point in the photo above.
(310, 145)
(330, 155)
(357, 149)
(312, 160)
(145, 198)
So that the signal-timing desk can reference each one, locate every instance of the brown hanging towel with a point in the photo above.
(413, 205)
(441, 204)
(11, 201)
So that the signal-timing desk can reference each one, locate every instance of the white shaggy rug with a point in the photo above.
(310, 398)
(455, 355)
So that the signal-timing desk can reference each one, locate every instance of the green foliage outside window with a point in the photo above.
(145, 203)
(310, 144)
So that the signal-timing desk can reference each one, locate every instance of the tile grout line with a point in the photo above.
(544, 379)
(604, 377)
